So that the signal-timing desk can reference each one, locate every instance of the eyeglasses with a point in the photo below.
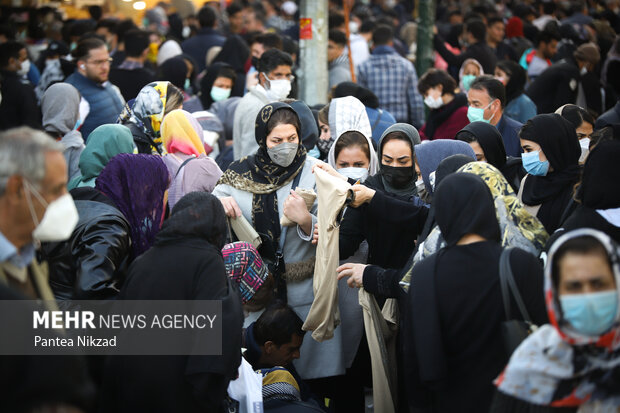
(100, 62)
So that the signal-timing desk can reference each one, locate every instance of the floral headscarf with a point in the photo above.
(556, 365)
(147, 111)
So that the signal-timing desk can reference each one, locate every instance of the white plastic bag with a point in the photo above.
(247, 389)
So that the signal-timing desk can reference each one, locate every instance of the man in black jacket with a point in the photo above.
(475, 32)
(569, 81)
(19, 103)
(131, 75)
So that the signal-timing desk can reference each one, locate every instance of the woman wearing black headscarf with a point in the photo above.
(487, 143)
(551, 160)
(598, 200)
(518, 105)
(184, 264)
(454, 343)
(213, 77)
(235, 52)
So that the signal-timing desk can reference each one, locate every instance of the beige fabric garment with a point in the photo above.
(324, 314)
(309, 196)
(381, 328)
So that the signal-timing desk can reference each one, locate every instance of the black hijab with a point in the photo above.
(558, 140)
(518, 77)
(235, 52)
(309, 127)
(366, 96)
(490, 141)
(259, 175)
(598, 187)
(436, 117)
(174, 70)
(196, 215)
(206, 84)
(464, 205)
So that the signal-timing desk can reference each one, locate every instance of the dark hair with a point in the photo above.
(576, 115)
(351, 138)
(495, 19)
(84, 47)
(7, 31)
(583, 245)
(262, 297)
(284, 116)
(548, 7)
(382, 35)
(174, 98)
(123, 27)
(324, 114)
(396, 135)
(368, 26)
(546, 36)
(290, 46)
(477, 28)
(95, 12)
(136, 42)
(9, 49)
(273, 58)
(233, 9)
(109, 24)
(466, 136)
(337, 37)
(268, 40)
(207, 17)
(601, 135)
(259, 12)
(278, 324)
(435, 77)
(492, 86)
(227, 72)
(335, 20)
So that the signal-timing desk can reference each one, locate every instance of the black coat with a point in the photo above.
(91, 264)
(130, 82)
(186, 269)
(389, 223)
(470, 311)
(584, 217)
(19, 103)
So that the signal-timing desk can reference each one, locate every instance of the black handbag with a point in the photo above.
(513, 331)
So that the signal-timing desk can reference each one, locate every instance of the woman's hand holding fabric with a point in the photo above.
(329, 169)
(363, 194)
(296, 210)
(355, 272)
(231, 208)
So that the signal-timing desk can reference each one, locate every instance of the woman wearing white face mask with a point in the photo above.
(448, 109)
(259, 188)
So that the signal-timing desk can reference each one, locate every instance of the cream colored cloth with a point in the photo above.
(309, 196)
(381, 329)
(324, 314)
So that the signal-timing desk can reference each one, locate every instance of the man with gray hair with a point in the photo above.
(34, 207)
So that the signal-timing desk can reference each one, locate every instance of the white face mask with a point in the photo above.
(433, 103)
(278, 88)
(59, 220)
(25, 68)
(357, 174)
(419, 184)
(353, 27)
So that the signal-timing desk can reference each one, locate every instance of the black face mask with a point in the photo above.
(398, 177)
(255, 62)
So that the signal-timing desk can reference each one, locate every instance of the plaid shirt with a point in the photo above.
(395, 82)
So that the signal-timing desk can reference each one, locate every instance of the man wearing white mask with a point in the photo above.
(274, 84)
(19, 103)
(34, 207)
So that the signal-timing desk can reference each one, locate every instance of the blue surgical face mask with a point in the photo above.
(590, 314)
(533, 165)
(467, 81)
(357, 174)
(218, 93)
(187, 84)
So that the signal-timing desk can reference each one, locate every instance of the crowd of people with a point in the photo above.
(447, 239)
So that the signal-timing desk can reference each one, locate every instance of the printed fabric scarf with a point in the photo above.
(262, 177)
